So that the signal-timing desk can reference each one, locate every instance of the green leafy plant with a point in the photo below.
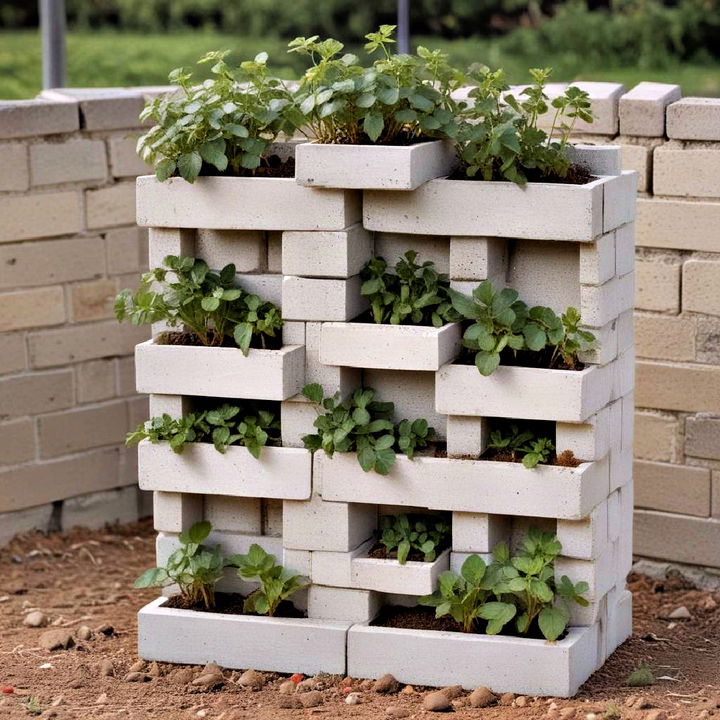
(641, 676)
(223, 426)
(469, 596)
(193, 567)
(529, 576)
(399, 99)
(522, 443)
(413, 295)
(501, 320)
(227, 122)
(499, 137)
(364, 425)
(187, 293)
(425, 534)
(276, 582)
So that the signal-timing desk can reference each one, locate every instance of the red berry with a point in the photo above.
(7, 689)
(297, 677)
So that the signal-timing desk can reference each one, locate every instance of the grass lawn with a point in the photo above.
(121, 59)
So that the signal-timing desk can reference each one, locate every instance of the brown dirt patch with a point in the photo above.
(84, 578)
(230, 604)
(577, 175)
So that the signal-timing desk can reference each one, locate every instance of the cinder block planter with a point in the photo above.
(521, 392)
(483, 486)
(284, 645)
(389, 576)
(237, 203)
(373, 167)
(541, 211)
(389, 347)
(504, 664)
(283, 473)
(219, 371)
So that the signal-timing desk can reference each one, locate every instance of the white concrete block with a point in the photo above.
(169, 241)
(619, 201)
(625, 249)
(274, 251)
(457, 559)
(585, 539)
(521, 392)
(600, 304)
(299, 561)
(619, 626)
(234, 514)
(491, 209)
(479, 532)
(332, 526)
(628, 420)
(430, 248)
(389, 347)
(597, 260)
(266, 286)
(625, 330)
(272, 517)
(606, 344)
(642, 109)
(467, 436)
(293, 332)
(322, 299)
(244, 249)
(284, 645)
(333, 378)
(500, 488)
(623, 374)
(219, 371)
(173, 405)
(242, 203)
(504, 664)
(694, 118)
(614, 517)
(598, 159)
(589, 440)
(593, 613)
(280, 472)
(389, 576)
(333, 603)
(297, 416)
(479, 258)
(175, 512)
(97, 509)
(599, 573)
(604, 97)
(375, 167)
(335, 568)
(329, 254)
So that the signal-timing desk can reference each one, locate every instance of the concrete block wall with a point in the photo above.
(68, 243)
(62, 198)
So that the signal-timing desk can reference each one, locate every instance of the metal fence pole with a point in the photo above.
(403, 23)
(52, 29)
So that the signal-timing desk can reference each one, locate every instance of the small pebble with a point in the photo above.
(311, 699)
(84, 633)
(154, 670)
(106, 668)
(680, 613)
(36, 619)
(482, 697)
(437, 701)
(56, 640)
(521, 701)
(397, 711)
(353, 698)
(102, 699)
(208, 680)
(137, 666)
(708, 603)
(307, 685)
(136, 677)
(252, 679)
(287, 687)
(386, 684)
(507, 698)
(567, 713)
(656, 715)
(408, 690)
(45, 666)
(452, 691)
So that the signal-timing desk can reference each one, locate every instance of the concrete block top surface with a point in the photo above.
(694, 118)
(25, 118)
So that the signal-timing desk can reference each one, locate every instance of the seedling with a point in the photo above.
(33, 706)
(187, 293)
(276, 582)
(364, 425)
(425, 534)
(193, 567)
(641, 676)
(414, 295)
(538, 451)
(397, 100)
(227, 122)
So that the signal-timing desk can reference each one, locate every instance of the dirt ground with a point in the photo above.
(84, 580)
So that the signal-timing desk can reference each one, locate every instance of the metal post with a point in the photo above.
(403, 23)
(52, 29)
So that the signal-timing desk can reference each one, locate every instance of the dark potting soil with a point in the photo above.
(577, 175)
(379, 552)
(179, 337)
(423, 618)
(565, 459)
(231, 604)
(542, 360)
(271, 166)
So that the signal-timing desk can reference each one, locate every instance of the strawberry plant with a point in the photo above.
(424, 534)
(276, 582)
(413, 295)
(504, 323)
(397, 100)
(227, 122)
(187, 293)
(469, 596)
(364, 425)
(223, 426)
(499, 136)
(193, 567)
